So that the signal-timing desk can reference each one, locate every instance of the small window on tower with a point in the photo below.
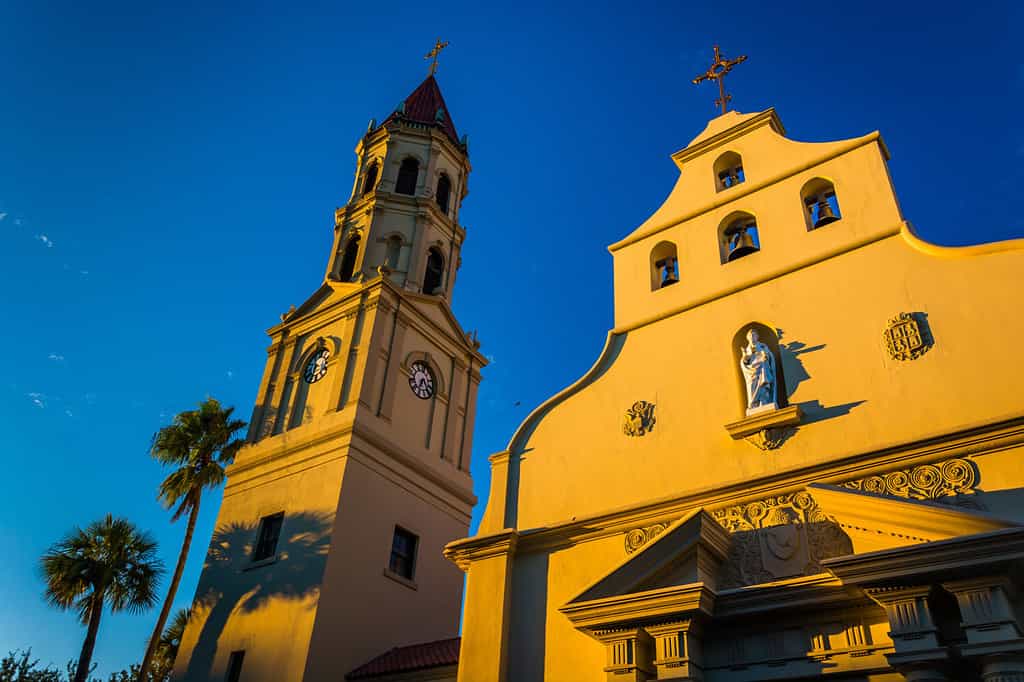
(267, 537)
(820, 203)
(348, 260)
(444, 190)
(729, 170)
(435, 272)
(403, 553)
(370, 181)
(234, 672)
(407, 175)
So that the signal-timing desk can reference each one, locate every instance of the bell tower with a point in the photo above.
(402, 218)
(328, 545)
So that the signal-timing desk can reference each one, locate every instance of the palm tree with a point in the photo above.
(200, 443)
(110, 563)
(170, 640)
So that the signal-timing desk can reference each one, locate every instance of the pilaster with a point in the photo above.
(487, 561)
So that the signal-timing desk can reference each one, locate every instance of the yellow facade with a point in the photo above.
(348, 445)
(652, 522)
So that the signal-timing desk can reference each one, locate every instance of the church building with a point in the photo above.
(799, 456)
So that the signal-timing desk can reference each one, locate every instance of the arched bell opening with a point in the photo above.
(729, 171)
(738, 237)
(370, 178)
(820, 204)
(348, 259)
(444, 192)
(664, 266)
(434, 274)
(408, 173)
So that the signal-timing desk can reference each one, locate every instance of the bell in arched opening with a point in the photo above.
(740, 241)
(822, 210)
(668, 270)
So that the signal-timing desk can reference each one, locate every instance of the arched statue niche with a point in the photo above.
(759, 370)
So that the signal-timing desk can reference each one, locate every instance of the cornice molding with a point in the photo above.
(622, 610)
(469, 550)
(987, 437)
(962, 557)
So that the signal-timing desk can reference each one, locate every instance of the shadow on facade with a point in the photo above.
(528, 625)
(231, 582)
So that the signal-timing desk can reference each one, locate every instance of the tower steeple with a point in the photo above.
(328, 545)
(402, 218)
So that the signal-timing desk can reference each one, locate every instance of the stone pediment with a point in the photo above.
(876, 522)
(675, 573)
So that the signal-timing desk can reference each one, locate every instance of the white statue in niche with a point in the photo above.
(758, 366)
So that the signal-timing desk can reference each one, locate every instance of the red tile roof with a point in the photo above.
(406, 658)
(422, 107)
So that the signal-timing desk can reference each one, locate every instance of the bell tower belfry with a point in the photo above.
(402, 218)
(328, 545)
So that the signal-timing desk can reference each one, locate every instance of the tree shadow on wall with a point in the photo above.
(232, 582)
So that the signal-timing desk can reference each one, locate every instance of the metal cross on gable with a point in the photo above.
(717, 72)
(434, 53)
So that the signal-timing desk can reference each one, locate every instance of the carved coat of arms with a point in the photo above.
(904, 338)
(639, 419)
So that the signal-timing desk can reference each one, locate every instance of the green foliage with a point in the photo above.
(198, 442)
(19, 666)
(111, 560)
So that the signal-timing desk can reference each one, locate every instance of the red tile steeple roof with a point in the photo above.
(426, 106)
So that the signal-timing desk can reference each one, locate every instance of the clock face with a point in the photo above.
(421, 380)
(316, 368)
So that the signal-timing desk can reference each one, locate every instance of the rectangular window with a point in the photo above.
(270, 531)
(234, 666)
(403, 553)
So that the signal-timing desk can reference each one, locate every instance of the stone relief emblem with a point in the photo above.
(638, 537)
(952, 478)
(639, 419)
(904, 337)
(778, 537)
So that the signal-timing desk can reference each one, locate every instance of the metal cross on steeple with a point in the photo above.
(433, 54)
(717, 71)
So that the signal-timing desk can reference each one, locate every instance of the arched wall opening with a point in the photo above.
(728, 170)
(738, 237)
(434, 274)
(821, 206)
(664, 265)
(408, 173)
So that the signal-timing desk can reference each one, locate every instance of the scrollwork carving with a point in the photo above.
(953, 477)
(638, 537)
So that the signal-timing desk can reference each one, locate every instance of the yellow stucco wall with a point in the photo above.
(572, 483)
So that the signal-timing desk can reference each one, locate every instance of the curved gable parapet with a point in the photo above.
(911, 237)
(612, 347)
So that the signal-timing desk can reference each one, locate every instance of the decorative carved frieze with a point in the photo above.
(953, 477)
(638, 537)
(639, 419)
(906, 338)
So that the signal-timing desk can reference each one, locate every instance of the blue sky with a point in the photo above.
(169, 171)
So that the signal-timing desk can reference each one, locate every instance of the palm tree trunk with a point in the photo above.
(154, 639)
(85, 658)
